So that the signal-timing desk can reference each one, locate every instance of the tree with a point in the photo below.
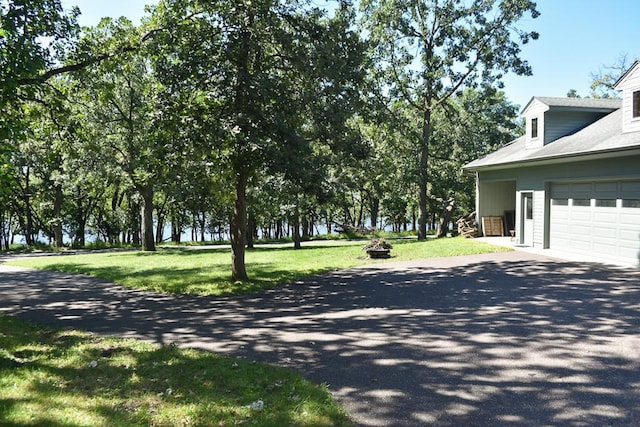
(124, 95)
(474, 124)
(244, 62)
(604, 80)
(25, 56)
(572, 93)
(428, 51)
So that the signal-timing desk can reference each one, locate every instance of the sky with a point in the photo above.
(577, 39)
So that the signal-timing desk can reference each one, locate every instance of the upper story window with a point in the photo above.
(636, 104)
(534, 127)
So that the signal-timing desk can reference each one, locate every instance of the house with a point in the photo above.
(573, 179)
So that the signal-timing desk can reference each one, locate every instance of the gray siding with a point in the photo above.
(495, 198)
(631, 84)
(536, 179)
(559, 123)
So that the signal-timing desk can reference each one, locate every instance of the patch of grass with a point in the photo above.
(208, 271)
(70, 378)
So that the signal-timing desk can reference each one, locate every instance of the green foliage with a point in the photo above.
(425, 52)
(55, 377)
(473, 124)
(247, 119)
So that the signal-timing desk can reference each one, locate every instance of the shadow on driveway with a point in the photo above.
(501, 339)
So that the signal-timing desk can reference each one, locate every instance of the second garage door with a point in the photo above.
(597, 218)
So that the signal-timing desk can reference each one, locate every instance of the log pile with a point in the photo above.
(347, 228)
(467, 225)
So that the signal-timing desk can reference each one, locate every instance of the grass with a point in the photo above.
(207, 271)
(70, 378)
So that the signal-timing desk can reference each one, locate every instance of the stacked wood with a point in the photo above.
(347, 228)
(467, 225)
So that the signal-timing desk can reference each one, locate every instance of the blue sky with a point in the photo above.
(577, 38)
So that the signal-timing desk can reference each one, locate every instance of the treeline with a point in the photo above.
(235, 118)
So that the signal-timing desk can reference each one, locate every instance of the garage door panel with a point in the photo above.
(631, 220)
(605, 218)
(630, 254)
(603, 232)
(581, 215)
(605, 249)
(608, 226)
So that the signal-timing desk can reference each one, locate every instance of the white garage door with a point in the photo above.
(597, 218)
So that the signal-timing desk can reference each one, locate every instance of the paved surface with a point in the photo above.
(503, 339)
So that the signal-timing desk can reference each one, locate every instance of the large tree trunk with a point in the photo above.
(297, 241)
(175, 230)
(239, 228)
(28, 226)
(57, 214)
(445, 218)
(424, 175)
(148, 238)
(81, 219)
(375, 209)
(251, 229)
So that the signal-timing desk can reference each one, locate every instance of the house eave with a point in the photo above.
(564, 158)
(626, 74)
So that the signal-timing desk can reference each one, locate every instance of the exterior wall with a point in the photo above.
(630, 84)
(493, 198)
(561, 123)
(535, 110)
(537, 180)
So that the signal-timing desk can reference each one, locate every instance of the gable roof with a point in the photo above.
(591, 104)
(603, 136)
(631, 70)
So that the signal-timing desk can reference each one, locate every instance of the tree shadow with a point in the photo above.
(490, 340)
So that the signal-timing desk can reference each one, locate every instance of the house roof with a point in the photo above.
(603, 136)
(631, 69)
(593, 104)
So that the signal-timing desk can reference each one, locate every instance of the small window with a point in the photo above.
(636, 104)
(528, 204)
(560, 202)
(631, 203)
(606, 203)
(581, 202)
(534, 127)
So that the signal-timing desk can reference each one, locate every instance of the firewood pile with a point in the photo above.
(467, 225)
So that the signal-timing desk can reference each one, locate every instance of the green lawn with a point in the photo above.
(70, 378)
(207, 271)
(67, 378)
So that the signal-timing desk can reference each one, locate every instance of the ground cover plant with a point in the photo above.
(70, 378)
(206, 271)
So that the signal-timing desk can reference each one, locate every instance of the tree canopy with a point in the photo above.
(428, 51)
(245, 119)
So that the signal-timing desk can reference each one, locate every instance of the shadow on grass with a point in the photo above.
(193, 280)
(499, 342)
(122, 383)
(510, 340)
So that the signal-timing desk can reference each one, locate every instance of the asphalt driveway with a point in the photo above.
(502, 339)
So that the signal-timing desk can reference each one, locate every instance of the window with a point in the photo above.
(606, 203)
(631, 203)
(560, 202)
(581, 202)
(636, 104)
(534, 125)
(528, 206)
